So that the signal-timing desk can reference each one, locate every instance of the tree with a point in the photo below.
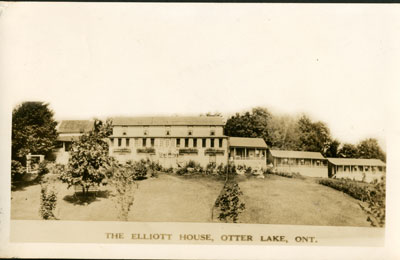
(313, 137)
(250, 124)
(348, 151)
(282, 132)
(89, 158)
(333, 149)
(370, 149)
(33, 130)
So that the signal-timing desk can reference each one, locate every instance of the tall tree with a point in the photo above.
(370, 149)
(89, 159)
(333, 149)
(249, 124)
(313, 137)
(348, 151)
(282, 132)
(33, 130)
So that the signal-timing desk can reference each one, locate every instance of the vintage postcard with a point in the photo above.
(212, 131)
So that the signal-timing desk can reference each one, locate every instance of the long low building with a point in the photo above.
(250, 152)
(311, 164)
(357, 169)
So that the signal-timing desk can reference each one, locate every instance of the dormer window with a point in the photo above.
(212, 131)
(124, 130)
(167, 130)
(145, 130)
(81, 130)
(190, 130)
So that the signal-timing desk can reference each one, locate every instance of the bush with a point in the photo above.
(48, 201)
(376, 205)
(229, 202)
(210, 168)
(17, 170)
(191, 167)
(357, 190)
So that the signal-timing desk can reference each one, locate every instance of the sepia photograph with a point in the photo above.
(209, 125)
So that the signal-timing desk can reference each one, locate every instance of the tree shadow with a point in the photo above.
(79, 199)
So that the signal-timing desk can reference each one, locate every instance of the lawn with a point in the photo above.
(166, 198)
(172, 198)
(280, 200)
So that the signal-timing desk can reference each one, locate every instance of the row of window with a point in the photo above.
(168, 130)
(151, 142)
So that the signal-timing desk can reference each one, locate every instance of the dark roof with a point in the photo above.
(75, 126)
(168, 120)
(296, 154)
(358, 162)
(247, 142)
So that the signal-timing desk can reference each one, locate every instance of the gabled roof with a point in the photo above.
(168, 120)
(75, 126)
(358, 162)
(247, 142)
(296, 154)
(68, 138)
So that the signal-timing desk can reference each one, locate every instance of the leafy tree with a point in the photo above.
(348, 151)
(33, 130)
(249, 124)
(370, 149)
(282, 132)
(333, 149)
(89, 158)
(313, 137)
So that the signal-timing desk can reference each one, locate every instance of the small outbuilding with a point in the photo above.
(249, 152)
(356, 169)
(311, 164)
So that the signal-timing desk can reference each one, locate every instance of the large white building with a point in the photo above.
(170, 141)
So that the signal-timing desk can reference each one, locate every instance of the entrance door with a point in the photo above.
(213, 159)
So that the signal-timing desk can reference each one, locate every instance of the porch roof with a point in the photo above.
(358, 162)
(68, 138)
(296, 154)
(247, 142)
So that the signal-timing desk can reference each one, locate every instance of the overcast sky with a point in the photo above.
(337, 63)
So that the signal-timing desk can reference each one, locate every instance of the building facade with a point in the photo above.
(69, 131)
(356, 169)
(311, 164)
(170, 141)
(249, 152)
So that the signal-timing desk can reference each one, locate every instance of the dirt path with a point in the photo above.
(280, 200)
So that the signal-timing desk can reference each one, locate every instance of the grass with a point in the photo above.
(166, 198)
(173, 198)
(280, 200)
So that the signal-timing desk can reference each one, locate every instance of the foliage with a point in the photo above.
(356, 189)
(144, 168)
(190, 167)
(313, 136)
(210, 168)
(33, 130)
(17, 170)
(89, 159)
(294, 175)
(282, 131)
(249, 124)
(332, 149)
(370, 149)
(123, 181)
(146, 150)
(348, 151)
(376, 204)
(229, 202)
(48, 201)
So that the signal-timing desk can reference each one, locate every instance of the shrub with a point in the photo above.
(376, 205)
(123, 180)
(357, 190)
(210, 168)
(48, 201)
(229, 202)
(17, 170)
(221, 170)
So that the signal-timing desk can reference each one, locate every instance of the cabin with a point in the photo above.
(311, 164)
(172, 141)
(69, 131)
(356, 169)
(249, 152)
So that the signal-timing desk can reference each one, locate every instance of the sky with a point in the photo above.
(336, 63)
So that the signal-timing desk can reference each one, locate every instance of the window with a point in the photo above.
(167, 130)
(145, 130)
(220, 142)
(161, 142)
(212, 142)
(136, 142)
(127, 141)
(144, 142)
(203, 142)
(124, 128)
(195, 142)
(68, 146)
(186, 142)
(119, 141)
(190, 130)
(167, 143)
(112, 141)
(152, 142)
(178, 142)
